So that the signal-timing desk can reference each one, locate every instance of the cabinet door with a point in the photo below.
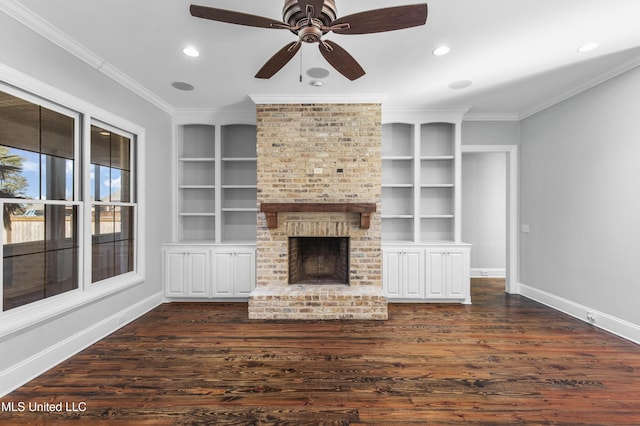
(413, 277)
(392, 276)
(223, 282)
(403, 273)
(447, 274)
(198, 268)
(244, 271)
(455, 283)
(175, 273)
(435, 274)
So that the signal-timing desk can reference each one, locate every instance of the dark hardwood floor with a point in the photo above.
(502, 360)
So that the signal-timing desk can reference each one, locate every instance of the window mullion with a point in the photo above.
(86, 248)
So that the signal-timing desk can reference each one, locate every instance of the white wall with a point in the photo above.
(490, 132)
(580, 177)
(23, 353)
(484, 197)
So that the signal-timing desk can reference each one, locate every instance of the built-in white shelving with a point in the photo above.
(424, 259)
(216, 183)
(420, 182)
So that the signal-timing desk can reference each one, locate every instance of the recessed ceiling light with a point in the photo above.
(181, 85)
(316, 83)
(441, 50)
(191, 51)
(460, 84)
(587, 47)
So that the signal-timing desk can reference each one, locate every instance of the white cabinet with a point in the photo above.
(403, 272)
(234, 271)
(431, 273)
(209, 271)
(187, 271)
(447, 273)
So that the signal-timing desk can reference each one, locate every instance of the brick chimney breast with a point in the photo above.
(319, 153)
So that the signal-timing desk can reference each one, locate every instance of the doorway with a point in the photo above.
(506, 157)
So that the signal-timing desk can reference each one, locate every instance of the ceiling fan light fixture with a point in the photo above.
(310, 20)
(441, 50)
(191, 51)
(588, 47)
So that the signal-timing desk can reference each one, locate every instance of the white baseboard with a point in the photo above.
(606, 322)
(488, 272)
(32, 367)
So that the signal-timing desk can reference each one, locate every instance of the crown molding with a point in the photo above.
(35, 23)
(374, 98)
(447, 114)
(491, 116)
(219, 116)
(627, 66)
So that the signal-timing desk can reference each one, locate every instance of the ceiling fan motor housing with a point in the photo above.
(309, 30)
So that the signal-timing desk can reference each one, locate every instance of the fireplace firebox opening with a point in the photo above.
(318, 260)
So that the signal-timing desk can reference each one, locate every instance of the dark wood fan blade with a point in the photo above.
(316, 4)
(232, 17)
(279, 60)
(381, 20)
(341, 60)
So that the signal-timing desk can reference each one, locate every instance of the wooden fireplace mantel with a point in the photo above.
(271, 210)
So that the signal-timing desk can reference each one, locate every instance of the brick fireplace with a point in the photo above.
(319, 177)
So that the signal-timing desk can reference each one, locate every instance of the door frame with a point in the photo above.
(512, 251)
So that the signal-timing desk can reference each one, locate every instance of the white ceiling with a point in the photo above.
(521, 55)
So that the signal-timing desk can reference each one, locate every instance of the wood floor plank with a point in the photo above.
(503, 360)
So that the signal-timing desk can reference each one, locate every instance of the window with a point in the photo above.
(39, 201)
(112, 210)
(44, 200)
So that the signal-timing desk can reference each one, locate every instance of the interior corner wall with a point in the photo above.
(580, 171)
(36, 57)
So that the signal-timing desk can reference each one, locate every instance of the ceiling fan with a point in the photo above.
(312, 19)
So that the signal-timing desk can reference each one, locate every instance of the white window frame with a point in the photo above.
(133, 195)
(33, 90)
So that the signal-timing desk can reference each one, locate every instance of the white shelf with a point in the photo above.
(197, 159)
(234, 209)
(397, 185)
(239, 186)
(197, 214)
(397, 158)
(438, 158)
(197, 187)
(247, 159)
